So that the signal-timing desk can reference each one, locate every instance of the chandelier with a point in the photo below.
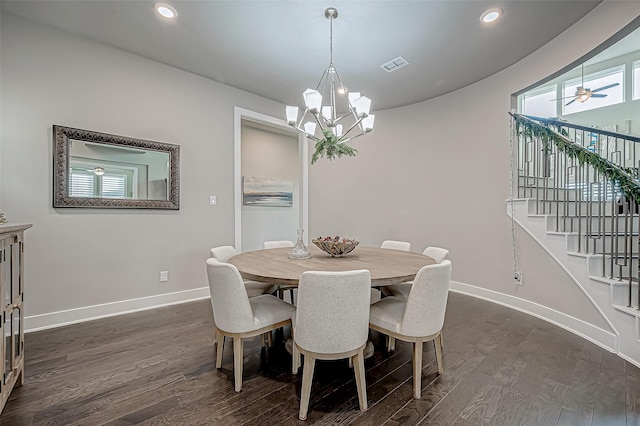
(343, 116)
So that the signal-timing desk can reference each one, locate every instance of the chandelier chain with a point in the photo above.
(331, 40)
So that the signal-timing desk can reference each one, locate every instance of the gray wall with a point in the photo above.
(434, 173)
(77, 258)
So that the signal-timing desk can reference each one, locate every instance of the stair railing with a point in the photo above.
(587, 179)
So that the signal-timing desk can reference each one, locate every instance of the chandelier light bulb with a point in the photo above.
(362, 106)
(312, 100)
(292, 115)
(367, 123)
(327, 113)
(310, 127)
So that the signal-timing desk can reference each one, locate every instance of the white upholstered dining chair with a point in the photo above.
(396, 245)
(277, 244)
(254, 288)
(419, 318)
(281, 244)
(331, 322)
(402, 290)
(391, 245)
(436, 253)
(237, 316)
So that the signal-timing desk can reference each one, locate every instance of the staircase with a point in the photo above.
(576, 196)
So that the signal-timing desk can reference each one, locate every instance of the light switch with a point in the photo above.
(212, 200)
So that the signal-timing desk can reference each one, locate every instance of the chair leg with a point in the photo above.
(361, 383)
(417, 370)
(219, 350)
(438, 346)
(266, 339)
(305, 393)
(237, 362)
(295, 359)
(391, 344)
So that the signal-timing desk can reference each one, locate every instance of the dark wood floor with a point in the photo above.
(157, 367)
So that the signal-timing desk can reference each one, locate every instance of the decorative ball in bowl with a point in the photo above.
(336, 246)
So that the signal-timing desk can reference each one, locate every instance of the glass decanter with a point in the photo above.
(299, 251)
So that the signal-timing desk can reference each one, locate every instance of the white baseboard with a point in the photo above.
(89, 313)
(596, 335)
(629, 360)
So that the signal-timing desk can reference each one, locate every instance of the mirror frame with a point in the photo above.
(61, 147)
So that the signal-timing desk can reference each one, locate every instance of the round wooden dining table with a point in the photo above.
(385, 266)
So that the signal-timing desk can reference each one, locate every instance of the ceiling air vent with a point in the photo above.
(394, 64)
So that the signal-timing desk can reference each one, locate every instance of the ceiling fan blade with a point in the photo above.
(559, 99)
(598, 95)
(605, 87)
(570, 102)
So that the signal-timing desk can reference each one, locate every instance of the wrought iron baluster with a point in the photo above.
(588, 199)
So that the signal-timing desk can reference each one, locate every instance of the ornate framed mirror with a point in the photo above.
(92, 169)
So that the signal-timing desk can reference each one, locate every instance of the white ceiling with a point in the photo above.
(277, 49)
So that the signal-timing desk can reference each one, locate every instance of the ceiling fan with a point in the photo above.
(583, 94)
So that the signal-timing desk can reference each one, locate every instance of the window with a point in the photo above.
(539, 103)
(594, 82)
(84, 182)
(114, 186)
(636, 80)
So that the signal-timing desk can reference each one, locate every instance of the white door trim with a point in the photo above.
(240, 114)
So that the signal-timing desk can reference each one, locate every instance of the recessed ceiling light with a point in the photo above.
(165, 10)
(491, 15)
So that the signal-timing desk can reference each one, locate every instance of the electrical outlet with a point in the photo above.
(164, 276)
(517, 278)
(213, 200)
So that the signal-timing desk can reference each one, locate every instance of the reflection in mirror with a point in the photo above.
(117, 172)
(100, 170)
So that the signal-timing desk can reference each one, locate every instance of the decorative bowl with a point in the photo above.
(336, 247)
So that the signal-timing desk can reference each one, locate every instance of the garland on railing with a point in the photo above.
(624, 177)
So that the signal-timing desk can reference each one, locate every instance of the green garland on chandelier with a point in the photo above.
(626, 178)
(329, 148)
